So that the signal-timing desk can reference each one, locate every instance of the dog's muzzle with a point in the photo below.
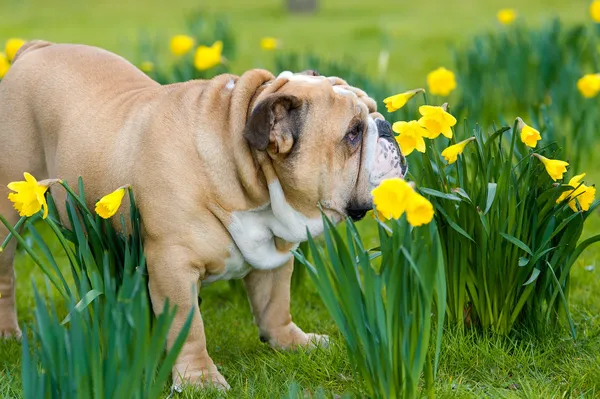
(389, 161)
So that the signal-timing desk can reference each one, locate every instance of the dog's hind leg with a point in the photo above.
(9, 326)
(21, 151)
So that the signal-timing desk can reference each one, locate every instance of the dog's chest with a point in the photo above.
(253, 247)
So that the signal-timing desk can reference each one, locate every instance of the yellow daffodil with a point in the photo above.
(419, 210)
(110, 203)
(390, 197)
(394, 103)
(580, 193)
(28, 197)
(554, 167)
(181, 44)
(269, 43)
(595, 11)
(395, 196)
(451, 153)
(441, 81)
(529, 135)
(589, 85)
(410, 136)
(506, 16)
(4, 65)
(12, 46)
(208, 57)
(436, 120)
(147, 66)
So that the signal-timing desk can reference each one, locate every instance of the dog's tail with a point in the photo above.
(30, 46)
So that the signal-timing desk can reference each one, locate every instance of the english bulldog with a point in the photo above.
(228, 173)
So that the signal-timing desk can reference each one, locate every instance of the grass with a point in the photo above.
(472, 365)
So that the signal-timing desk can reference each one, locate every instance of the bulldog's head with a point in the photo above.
(326, 143)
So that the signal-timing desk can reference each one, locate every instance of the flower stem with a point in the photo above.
(34, 256)
(10, 234)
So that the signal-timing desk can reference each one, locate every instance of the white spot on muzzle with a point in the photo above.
(371, 145)
(382, 159)
(230, 85)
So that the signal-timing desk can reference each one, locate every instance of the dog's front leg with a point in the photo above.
(269, 295)
(174, 275)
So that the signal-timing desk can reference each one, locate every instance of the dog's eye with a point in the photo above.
(354, 134)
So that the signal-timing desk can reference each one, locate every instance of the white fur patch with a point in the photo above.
(285, 75)
(235, 267)
(288, 223)
(307, 78)
(254, 231)
(230, 85)
(371, 146)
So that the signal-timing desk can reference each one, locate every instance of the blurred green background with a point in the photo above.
(418, 34)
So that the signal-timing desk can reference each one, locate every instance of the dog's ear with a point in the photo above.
(274, 124)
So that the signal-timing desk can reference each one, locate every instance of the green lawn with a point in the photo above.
(421, 36)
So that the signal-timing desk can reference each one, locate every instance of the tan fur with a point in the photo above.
(73, 110)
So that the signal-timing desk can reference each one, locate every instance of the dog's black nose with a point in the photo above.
(357, 213)
(384, 129)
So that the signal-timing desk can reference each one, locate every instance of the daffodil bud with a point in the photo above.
(110, 203)
(529, 135)
(394, 103)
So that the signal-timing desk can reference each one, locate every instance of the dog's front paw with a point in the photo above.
(315, 340)
(292, 337)
(210, 379)
(9, 328)
(10, 332)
